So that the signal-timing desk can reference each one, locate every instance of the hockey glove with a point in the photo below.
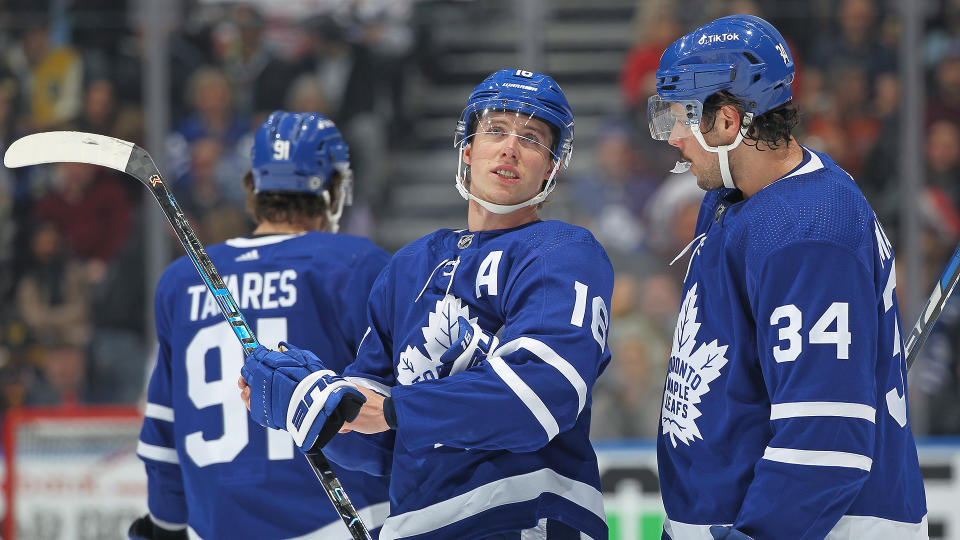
(468, 350)
(723, 532)
(145, 529)
(293, 390)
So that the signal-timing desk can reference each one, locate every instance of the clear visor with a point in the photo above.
(672, 119)
(493, 126)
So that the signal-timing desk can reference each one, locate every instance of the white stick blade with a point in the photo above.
(68, 146)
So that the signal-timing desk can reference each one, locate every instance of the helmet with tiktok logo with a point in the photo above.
(531, 96)
(740, 54)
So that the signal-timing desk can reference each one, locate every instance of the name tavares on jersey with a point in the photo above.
(251, 290)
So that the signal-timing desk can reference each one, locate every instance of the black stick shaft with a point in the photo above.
(934, 306)
(142, 167)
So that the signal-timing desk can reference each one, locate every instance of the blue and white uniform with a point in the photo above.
(209, 466)
(503, 445)
(785, 407)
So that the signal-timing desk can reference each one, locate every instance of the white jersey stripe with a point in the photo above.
(157, 453)
(814, 164)
(377, 387)
(819, 458)
(799, 409)
(549, 356)
(527, 396)
(875, 528)
(260, 240)
(510, 490)
(167, 524)
(158, 412)
(848, 528)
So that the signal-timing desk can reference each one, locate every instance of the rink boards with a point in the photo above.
(70, 496)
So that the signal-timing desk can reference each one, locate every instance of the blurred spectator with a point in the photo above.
(938, 373)
(671, 217)
(53, 296)
(857, 43)
(59, 378)
(51, 77)
(847, 127)
(610, 199)
(382, 44)
(91, 208)
(99, 108)
(259, 79)
(656, 27)
(627, 397)
(940, 41)
(204, 186)
(213, 116)
(944, 102)
(116, 370)
(306, 94)
(327, 62)
(942, 151)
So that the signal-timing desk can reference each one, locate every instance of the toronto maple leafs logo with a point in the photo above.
(689, 374)
(441, 331)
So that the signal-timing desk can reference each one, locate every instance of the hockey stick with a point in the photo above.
(931, 311)
(123, 156)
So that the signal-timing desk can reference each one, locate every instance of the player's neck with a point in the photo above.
(481, 219)
(756, 169)
(272, 227)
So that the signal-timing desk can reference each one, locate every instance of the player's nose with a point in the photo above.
(509, 148)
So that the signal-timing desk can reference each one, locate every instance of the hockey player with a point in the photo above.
(211, 471)
(785, 408)
(482, 348)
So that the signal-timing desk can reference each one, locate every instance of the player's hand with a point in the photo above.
(371, 419)
(721, 532)
(244, 391)
(468, 350)
(293, 390)
(143, 528)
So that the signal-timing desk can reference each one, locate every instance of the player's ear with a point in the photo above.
(728, 120)
(466, 153)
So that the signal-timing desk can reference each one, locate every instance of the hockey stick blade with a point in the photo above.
(126, 157)
(69, 146)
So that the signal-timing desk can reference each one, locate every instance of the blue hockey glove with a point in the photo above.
(143, 528)
(468, 350)
(723, 532)
(293, 390)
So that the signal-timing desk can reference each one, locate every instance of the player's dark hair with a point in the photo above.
(287, 207)
(771, 128)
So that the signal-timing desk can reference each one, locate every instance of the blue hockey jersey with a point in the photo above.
(210, 466)
(785, 407)
(504, 444)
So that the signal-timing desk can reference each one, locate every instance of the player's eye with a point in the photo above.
(534, 137)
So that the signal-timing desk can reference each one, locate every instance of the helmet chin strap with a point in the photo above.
(723, 150)
(504, 208)
(345, 196)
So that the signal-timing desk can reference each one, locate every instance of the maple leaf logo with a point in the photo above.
(689, 374)
(441, 331)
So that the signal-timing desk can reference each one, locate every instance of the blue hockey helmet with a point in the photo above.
(742, 54)
(532, 96)
(297, 152)
(302, 153)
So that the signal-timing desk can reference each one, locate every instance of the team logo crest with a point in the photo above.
(441, 331)
(691, 370)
